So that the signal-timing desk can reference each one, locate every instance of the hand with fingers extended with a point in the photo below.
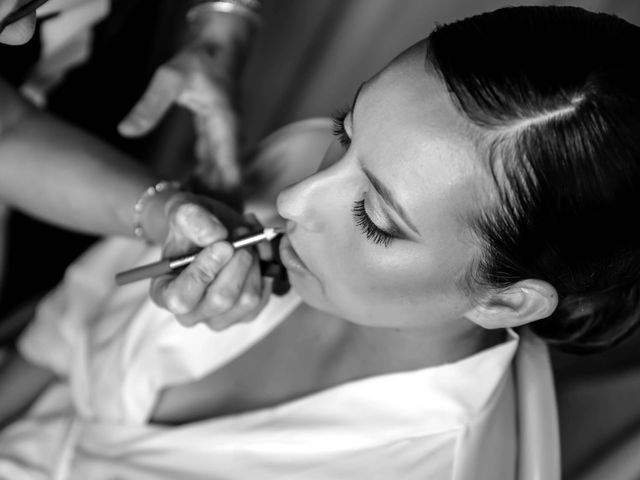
(203, 77)
(221, 286)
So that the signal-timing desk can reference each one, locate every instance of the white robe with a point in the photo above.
(115, 350)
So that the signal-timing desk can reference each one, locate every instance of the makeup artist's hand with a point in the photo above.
(221, 286)
(198, 80)
(203, 77)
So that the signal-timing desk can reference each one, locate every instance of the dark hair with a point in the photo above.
(555, 95)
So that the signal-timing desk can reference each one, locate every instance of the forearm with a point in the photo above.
(54, 171)
(21, 383)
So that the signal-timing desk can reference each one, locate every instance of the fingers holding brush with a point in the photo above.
(237, 294)
(220, 287)
(181, 293)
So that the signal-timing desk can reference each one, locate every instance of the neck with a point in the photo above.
(388, 350)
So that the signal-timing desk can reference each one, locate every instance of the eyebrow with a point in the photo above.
(388, 198)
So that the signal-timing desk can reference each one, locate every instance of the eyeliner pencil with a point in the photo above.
(169, 265)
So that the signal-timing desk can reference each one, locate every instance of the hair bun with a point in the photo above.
(592, 322)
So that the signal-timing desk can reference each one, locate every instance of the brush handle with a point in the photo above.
(268, 269)
(169, 265)
(146, 271)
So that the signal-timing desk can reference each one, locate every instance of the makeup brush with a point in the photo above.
(169, 265)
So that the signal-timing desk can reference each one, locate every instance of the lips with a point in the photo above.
(290, 257)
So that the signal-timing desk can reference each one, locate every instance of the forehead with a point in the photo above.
(411, 93)
(411, 133)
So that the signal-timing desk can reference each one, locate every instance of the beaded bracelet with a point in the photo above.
(249, 9)
(140, 205)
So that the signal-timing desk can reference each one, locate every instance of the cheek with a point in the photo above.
(370, 273)
(400, 273)
(376, 286)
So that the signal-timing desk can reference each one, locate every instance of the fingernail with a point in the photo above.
(186, 212)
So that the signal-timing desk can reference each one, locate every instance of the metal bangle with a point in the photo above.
(140, 205)
(248, 9)
(254, 5)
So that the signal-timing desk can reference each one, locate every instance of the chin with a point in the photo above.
(309, 293)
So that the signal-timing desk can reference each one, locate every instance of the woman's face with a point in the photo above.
(380, 228)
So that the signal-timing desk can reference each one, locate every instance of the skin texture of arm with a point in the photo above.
(54, 171)
(21, 383)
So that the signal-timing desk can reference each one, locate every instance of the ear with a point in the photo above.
(521, 303)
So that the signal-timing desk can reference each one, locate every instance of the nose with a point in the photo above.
(308, 202)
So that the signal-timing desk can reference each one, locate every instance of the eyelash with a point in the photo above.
(338, 126)
(369, 229)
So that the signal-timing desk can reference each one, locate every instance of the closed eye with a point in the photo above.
(368, 228)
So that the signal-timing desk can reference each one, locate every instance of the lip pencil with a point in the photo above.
(168, 265)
